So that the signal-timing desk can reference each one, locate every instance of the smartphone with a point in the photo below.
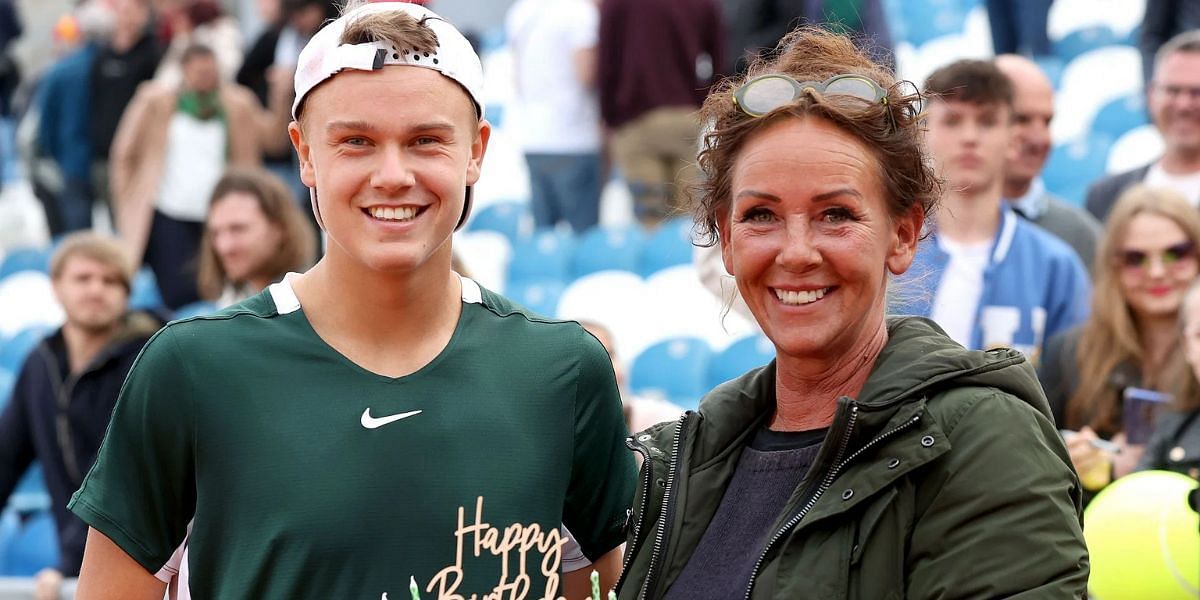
(1141, 408)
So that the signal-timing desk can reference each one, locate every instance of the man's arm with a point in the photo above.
(108, 573)
(577, 585)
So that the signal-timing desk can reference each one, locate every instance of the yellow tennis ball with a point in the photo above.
(1144, 539)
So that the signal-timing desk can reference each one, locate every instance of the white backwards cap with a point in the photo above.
(324, 56)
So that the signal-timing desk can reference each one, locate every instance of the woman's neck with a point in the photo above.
(806, 391)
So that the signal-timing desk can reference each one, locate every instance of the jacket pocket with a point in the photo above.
(866, 524)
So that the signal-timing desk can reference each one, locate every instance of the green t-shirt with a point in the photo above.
(310, 477)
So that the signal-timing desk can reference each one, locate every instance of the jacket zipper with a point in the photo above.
(664, 519)
(647, 480)
(825, 485)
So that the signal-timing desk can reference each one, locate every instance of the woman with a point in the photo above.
(1175, 445)
(874, 458)
(253, 236)
(1144, 263)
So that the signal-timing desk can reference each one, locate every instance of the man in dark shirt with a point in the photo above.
(657, 59)
(68, 385)
(130, 58)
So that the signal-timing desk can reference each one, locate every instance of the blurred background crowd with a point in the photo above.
(147, 175)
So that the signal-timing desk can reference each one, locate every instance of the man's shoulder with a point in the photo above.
(1037, 239)
(1062, 217)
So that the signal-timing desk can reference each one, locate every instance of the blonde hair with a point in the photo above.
(1110, 337)
(102, 249)
(1181, 375)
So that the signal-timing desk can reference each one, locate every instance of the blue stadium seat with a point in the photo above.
(14, 350)
(540, 297)
(504, 217)
(1076, 164)
(546, 255)
(1053, 67)
(33, 547)
(920, 22)
(674, 369)
(741, 356)
(608, 249)
(145, 294)
(25, 259)
(195, 309)
(30, 495)
(669, 246)
(7, 380)
(1084, 40)
(1121, 115)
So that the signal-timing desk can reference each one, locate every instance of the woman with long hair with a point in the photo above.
(1175, 445)
(1145, 262)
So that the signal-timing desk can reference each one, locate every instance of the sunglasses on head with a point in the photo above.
(1140, 259)
(766, 93)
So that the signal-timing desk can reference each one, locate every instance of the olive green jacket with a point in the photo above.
(945, 479)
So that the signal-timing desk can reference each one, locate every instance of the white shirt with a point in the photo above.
(957, 298)
(1187, 185)
(195, 160)
(553, 112)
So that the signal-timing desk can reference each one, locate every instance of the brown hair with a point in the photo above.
(1110, 337)
(890, 130)
(296, 250)
(973, 81)
(102, 249)
(1181, 376)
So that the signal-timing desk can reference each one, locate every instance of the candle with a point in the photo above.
(412, 588)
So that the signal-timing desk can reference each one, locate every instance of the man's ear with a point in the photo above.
(478, 150)
(304, 151)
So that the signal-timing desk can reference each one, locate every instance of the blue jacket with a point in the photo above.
(1033, 287)
(59, 419)
(65, 103)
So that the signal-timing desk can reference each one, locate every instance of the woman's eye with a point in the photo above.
(757, 215)
(837, 215)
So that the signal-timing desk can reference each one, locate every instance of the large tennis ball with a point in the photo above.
(1144, 539)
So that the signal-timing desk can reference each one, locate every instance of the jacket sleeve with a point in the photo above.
(16, 442)
(999, 515)
(1099, 199)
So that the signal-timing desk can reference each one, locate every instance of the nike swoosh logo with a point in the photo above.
(374, 423)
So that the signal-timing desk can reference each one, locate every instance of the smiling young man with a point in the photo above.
(986, 276)
(377, 417)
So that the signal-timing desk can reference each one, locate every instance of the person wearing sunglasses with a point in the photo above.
(1144, 264)
(873, 457)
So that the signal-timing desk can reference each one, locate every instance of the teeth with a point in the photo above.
(393, 213)
(798, 298)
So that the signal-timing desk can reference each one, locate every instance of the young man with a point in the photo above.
(67, 387)
(1173, 99)
(378, 417)
(1033, 109)
(989, 277)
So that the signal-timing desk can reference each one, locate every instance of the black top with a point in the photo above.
(115, 78)
(769, 471)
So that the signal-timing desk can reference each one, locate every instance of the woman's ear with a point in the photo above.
(906, 235)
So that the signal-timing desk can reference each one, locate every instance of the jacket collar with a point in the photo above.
(917, 360)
